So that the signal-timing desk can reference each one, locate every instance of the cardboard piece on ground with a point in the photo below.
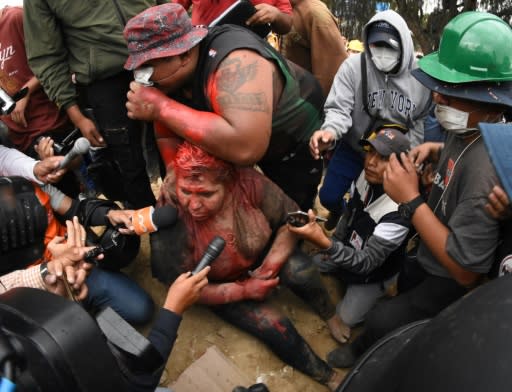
(212, 372)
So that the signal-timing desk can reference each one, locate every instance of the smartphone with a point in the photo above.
(301, 218)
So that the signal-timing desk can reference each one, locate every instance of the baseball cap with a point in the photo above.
(498, 141)
(387, 141)
(382, 31)
(355, 45)
(161, 31)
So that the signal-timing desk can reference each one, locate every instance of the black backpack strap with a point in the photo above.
(364, 83)
(364, 87)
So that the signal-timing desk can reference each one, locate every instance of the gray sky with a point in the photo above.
(10, 2)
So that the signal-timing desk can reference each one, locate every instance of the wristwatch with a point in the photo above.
(406, 210)
(43, 270)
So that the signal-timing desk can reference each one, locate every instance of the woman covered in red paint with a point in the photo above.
(242, 206)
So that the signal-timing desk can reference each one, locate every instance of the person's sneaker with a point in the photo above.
(341, 357)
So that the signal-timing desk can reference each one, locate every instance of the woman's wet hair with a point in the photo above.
(193, 162)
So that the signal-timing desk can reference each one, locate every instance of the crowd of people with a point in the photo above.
(245, 135)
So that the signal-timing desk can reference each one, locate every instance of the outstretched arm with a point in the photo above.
(280, 22)
(182, 293)
(385, 239)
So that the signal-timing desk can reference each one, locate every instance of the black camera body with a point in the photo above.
(53, 345)
(57, 345)
(7, 104)
(118, 249)
(66, 144)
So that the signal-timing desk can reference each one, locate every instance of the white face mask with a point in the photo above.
(141, 75)
(385, 58)
(451, 119)
(456, 121)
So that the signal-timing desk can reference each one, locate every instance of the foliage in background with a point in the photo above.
(426, 18)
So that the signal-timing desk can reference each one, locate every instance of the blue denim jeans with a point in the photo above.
(114, 289)
(344, 167)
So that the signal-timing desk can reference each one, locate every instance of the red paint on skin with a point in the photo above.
(244, 227)
(231, 265)
(166, 141)
(266, 315)
(195, 124)
(279, 327)
(213, 92)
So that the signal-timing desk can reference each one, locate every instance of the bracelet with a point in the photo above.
(142, 221)
(43, 270)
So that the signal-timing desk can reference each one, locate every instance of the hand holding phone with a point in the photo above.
(301, 218)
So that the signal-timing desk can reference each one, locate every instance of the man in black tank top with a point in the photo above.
(232, 94)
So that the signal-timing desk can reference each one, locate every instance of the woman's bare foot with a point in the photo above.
(335, 380)
(339, 330)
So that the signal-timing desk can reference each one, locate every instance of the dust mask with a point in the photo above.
(385, 58)
(452, 120)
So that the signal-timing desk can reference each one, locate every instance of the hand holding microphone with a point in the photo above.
(80, 147)
(150, 219)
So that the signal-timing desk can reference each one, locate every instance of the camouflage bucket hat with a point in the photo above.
(161, 31)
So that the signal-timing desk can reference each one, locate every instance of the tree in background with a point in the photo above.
(426, 18)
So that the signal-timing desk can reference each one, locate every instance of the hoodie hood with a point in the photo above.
(408, 60)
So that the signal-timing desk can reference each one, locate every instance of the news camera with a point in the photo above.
(48, 343)
(64, 146)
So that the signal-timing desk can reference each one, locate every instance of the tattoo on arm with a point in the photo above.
(232, 75)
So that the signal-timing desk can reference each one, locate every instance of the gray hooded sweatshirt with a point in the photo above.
(396, 97)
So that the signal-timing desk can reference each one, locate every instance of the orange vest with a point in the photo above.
(54, 228)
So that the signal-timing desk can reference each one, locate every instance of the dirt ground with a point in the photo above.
(201, 329)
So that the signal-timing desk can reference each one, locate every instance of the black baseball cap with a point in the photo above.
(382, 31)
(387, 141)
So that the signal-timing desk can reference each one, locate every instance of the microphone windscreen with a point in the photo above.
(164, 216)
(213, 251)
(217, 245)
(81, 145)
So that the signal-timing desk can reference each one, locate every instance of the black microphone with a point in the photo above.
(212, 252)
(80, 147)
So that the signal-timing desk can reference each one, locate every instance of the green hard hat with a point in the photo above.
(475, 46)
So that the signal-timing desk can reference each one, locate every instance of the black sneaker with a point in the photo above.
(342, 357)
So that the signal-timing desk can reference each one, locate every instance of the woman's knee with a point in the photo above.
(126, 297)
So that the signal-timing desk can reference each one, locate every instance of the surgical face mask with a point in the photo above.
(453, 120)
(385, 58)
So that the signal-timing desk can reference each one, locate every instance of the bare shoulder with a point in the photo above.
(243, 81)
